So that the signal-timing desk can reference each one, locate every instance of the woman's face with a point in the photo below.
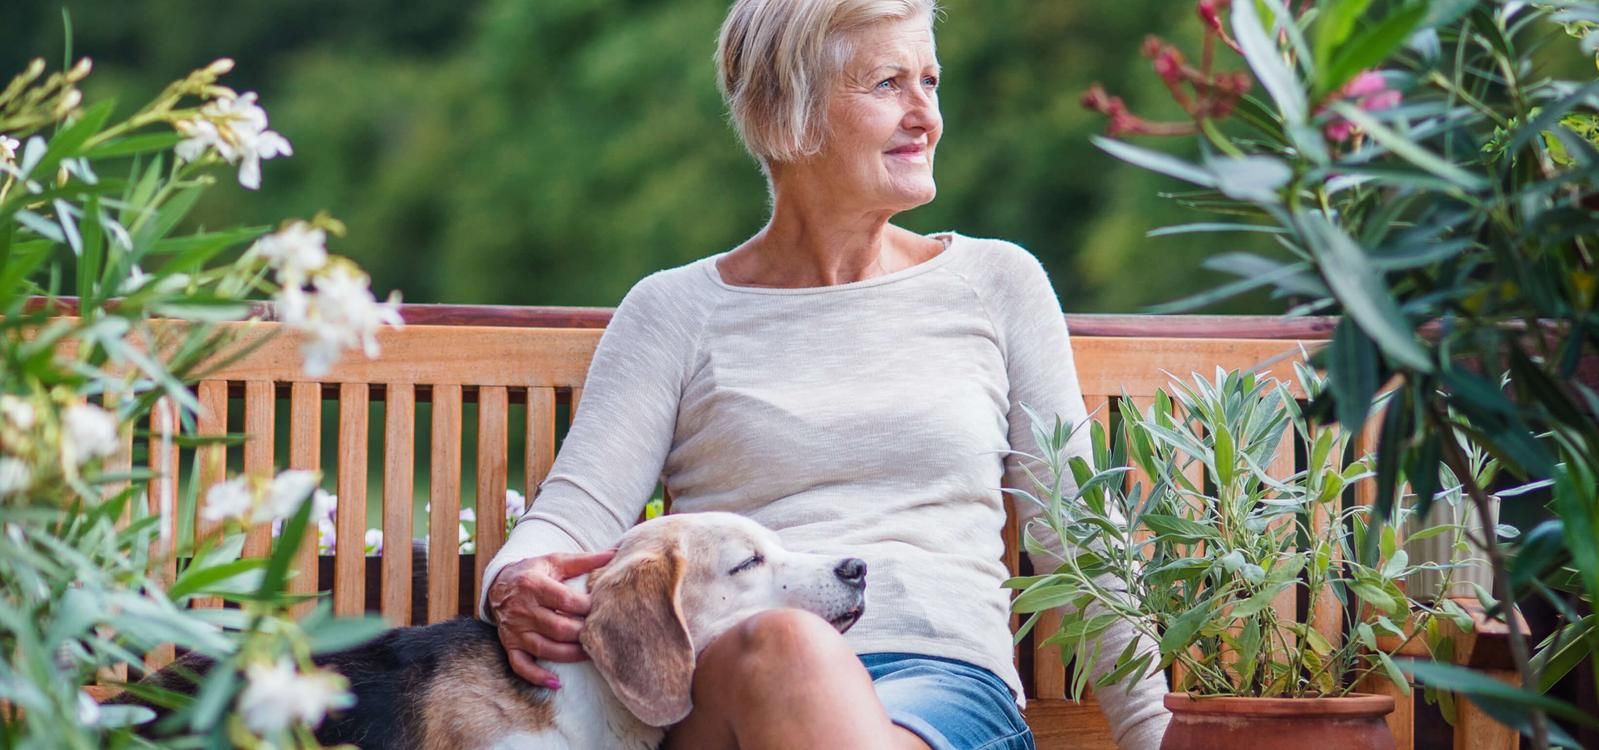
(883, 121)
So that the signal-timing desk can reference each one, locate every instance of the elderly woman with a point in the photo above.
(850, 384)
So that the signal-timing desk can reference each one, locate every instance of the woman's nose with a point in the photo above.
(921, 112)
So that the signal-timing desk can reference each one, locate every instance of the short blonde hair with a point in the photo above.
(777, 60)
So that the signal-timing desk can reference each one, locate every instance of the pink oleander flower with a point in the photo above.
(1369, 92)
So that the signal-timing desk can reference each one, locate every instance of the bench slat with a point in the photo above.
(1060, 723)
(305, 452)
(1287, 603)
(212, 421)
(260, 425)
(540, 446)
(119, 463)
(399, 449)
(163, 499)
(493, 435)
(349, 563)
(445, 496)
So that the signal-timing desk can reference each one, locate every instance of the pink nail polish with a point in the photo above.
(552, 684)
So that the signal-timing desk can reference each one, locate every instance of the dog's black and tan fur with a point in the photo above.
(435, 687)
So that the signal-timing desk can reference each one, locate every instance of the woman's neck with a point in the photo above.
(809, 246)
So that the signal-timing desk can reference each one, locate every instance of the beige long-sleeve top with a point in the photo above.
(869, 419)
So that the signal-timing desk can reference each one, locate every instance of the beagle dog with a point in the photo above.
(675, 584)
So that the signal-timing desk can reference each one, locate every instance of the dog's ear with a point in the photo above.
(637, 638)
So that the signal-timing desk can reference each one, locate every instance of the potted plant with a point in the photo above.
(1206, 553)
(1427, 169)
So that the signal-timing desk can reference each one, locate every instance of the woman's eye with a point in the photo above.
(887, 83)
(746, 565)
(930, 82)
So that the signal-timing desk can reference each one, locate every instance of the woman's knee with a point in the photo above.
(790, 641)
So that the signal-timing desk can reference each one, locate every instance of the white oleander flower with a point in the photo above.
(16, 412)
(296, 252)
(236, 128)
(468, 515)
(231, 499)
(15, 476)
(278, 697)
(323, 504)
(288, 490)
(327, 536)
(88, 432)
(374, 541)
(515, 504)
(340, 314)
(8, 148)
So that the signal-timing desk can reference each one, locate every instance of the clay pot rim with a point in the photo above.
(1354, 704)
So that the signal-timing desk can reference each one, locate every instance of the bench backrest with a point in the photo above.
(517, 374)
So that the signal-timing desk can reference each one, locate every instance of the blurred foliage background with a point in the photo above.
(555, 151)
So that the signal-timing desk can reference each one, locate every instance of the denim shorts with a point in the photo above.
(950, 704)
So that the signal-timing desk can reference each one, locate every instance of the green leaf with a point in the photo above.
(1405, 148)
(1202, 227)
(1576, 504)
(1564, 650)
(1259, 601)
(1181, 528)
(1394, 674)
(203, 309)
(1371, 47)
(1422, 469)
(1048, 596)
(1375, 595)
(283, 552)
(1352, 371)
(196, 579)
(133, 145)
(1183, 630)
(1538, 551)
(1474, 684)
(336, 634)
(66, 142)
(1333, 26)
(1267, 61)
(1361, 291)
(1445, 12)
(1155, 161)
(1257, 179)
(1226, 459)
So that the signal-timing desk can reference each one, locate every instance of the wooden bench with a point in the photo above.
(486, 365)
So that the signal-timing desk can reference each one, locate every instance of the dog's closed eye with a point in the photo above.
(747, 564)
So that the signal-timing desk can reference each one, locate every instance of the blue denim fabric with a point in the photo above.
(950, 704)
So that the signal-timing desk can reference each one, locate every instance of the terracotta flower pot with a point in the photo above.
(1351, 723)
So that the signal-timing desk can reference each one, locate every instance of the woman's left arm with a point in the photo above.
(1043, 376)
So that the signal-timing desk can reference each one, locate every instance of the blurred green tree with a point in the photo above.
(553, 152)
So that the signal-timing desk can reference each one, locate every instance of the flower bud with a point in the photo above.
(81, 70)
(69, 102)
(221, 66)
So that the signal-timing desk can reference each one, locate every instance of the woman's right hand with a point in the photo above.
(539, 616)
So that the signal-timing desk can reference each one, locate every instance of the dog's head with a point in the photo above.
(678, 582)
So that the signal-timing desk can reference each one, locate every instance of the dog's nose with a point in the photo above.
(852, 571)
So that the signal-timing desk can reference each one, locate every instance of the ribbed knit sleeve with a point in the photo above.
(612, 456)
(1043, 376)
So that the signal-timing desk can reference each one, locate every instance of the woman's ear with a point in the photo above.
(637, 638)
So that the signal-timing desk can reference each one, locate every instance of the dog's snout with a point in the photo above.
(852, 571)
